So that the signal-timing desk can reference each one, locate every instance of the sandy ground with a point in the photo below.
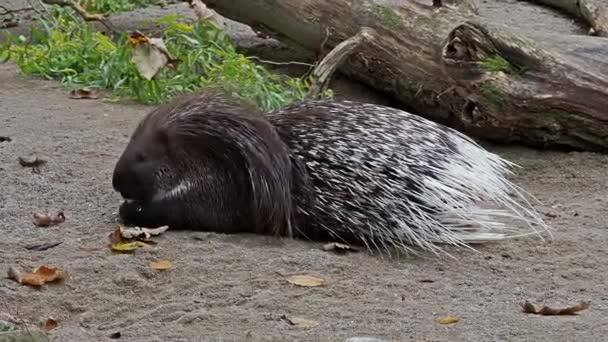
(234, 287)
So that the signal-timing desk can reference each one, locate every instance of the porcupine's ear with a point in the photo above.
(251, 144)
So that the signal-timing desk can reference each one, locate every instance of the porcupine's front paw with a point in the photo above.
(140, 214)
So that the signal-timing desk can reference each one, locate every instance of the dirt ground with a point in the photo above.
(233, 287)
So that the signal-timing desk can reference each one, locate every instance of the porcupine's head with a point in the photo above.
(205, 163)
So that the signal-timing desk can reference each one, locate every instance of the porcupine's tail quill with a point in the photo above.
(480, 203)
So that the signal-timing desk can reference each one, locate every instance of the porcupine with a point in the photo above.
(338, 170)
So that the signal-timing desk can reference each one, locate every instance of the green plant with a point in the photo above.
(71, 51)
(498, 63)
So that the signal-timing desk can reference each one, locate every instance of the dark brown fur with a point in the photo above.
(240, 167)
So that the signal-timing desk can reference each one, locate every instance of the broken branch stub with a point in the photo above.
(331, 62)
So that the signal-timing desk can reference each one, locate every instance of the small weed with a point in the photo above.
(73, 52)
(498, 63)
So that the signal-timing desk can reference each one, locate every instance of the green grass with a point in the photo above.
(74, 53)
(498, 63)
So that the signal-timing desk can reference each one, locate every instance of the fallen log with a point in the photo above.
(449, 64)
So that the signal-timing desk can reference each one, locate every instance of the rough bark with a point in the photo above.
(594, 12)
(452, 66)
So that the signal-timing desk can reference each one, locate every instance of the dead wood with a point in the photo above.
(453, 66)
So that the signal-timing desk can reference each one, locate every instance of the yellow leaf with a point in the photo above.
(128, 247)
(161, 265)
(449, 320)
(304, 280)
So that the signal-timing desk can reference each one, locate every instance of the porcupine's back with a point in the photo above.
(387, 178)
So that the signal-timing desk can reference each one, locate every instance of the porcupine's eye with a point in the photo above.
(140, 157)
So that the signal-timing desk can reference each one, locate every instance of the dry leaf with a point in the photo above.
(33, 161)
(307, 281)
(50, 324)
(161, 265)
(40, 276)
(128, 246)
(339, 247)
(150, 55)
(550, 311)
(300, 322)
(47, 220)
(129, 239)
(140, 233)
(83, 93)
(448, 320)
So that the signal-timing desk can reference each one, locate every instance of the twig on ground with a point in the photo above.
(281, 63)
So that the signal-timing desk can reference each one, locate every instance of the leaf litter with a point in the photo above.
(553, 311)
(300, 322)
(39, 276)
(339, 248)
(34, 162)
(306, 281)
(50, 324)
(161, 265)
(83, 93)
(48, 220)
(130, 239)
(448, 320)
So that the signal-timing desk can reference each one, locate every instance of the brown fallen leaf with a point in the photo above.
(306, 281)
(161, 265)
(49, 324)
(300, 322)
(551, 311)
(339, 247)
(32, 161)
(48, 220)
(40, 276)
(83, 93)
(448, 320)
